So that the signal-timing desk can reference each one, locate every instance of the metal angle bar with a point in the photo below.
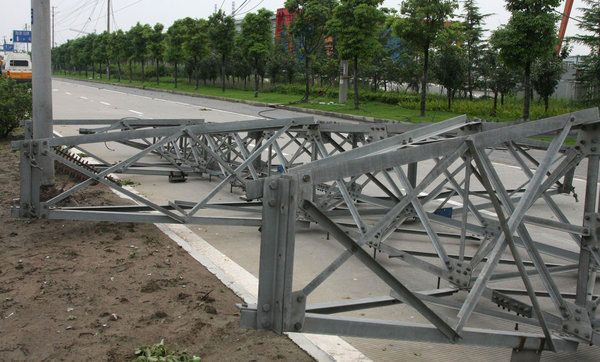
(115, 216)
(435, 240)
(372, 176)
(508, 235)
(417, 134)
(591, 195)
(323, 275)
(551, 270)
(396, 210)
(118, 188)
(106, 172)
(514, 221)
(333, 169)
(372, 328)
(244, 151)
(280, 155)
(257, 152)
(407, 296)
(457, 189)
(368, 303)
(465, 195)
(133, 122)
(225, 168)
(207, 128)
(223, 165)
(412, 260)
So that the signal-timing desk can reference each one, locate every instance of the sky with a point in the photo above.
(76, 17)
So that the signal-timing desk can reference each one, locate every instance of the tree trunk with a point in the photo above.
(197, 73)
(356, 104)
(306, 79)
(223, 73)
(449, 98)
(424, 80)
(495, 102)
(108, 68)
(175, 75)
(119, 69)
(157, 71)
(527, 98)
(255, 81)
(502, 99)
(143, 73)
(130, 71)
(470, 83)
(546, 103)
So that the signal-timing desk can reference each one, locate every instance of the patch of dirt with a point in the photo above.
(96, 290)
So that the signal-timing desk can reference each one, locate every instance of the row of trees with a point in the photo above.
(422, 42)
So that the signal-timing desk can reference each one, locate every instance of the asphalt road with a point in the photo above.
(78, 100)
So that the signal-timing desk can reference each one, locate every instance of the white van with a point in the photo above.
(17, 66)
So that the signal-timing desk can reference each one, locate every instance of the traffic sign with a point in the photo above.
(8, 47)
(22, 36)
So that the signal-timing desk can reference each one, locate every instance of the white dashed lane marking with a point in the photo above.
(105, 103)
(136, 112)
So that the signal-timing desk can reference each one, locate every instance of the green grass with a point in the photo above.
(400, 107)
(383, 110)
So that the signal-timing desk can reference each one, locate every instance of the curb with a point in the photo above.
(349, 117)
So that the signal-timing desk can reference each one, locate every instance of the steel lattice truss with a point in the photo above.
(361, 184)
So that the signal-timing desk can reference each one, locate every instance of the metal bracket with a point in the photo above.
(459, 273)
(576, 321)
(588, 140)
(512, 304)
(591, 242)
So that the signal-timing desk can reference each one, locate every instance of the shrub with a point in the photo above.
(15, 104)
(159, 352)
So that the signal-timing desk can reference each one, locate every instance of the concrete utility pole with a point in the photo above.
(26, 28)
(108, 31)
(53, 41)
(42, 83)
(343, 94)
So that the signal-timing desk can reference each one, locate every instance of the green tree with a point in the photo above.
(140, 39)
(423, 22)
(156, 46)
(589, 72)
(256, 39)
(499, 78)
(195, 45)
(309, 29)
(120, 48)
(100, 53)
(15, 106)
(545, 76)
(473, 42)
(355, 26)
(449, 64)
(221, 33)
(176, 35)
(530, 35)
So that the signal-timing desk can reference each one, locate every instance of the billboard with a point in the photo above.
(21, 36)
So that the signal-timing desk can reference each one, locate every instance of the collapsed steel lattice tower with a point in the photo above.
(361, 185)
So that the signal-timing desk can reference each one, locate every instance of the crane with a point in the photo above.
(563, 24)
